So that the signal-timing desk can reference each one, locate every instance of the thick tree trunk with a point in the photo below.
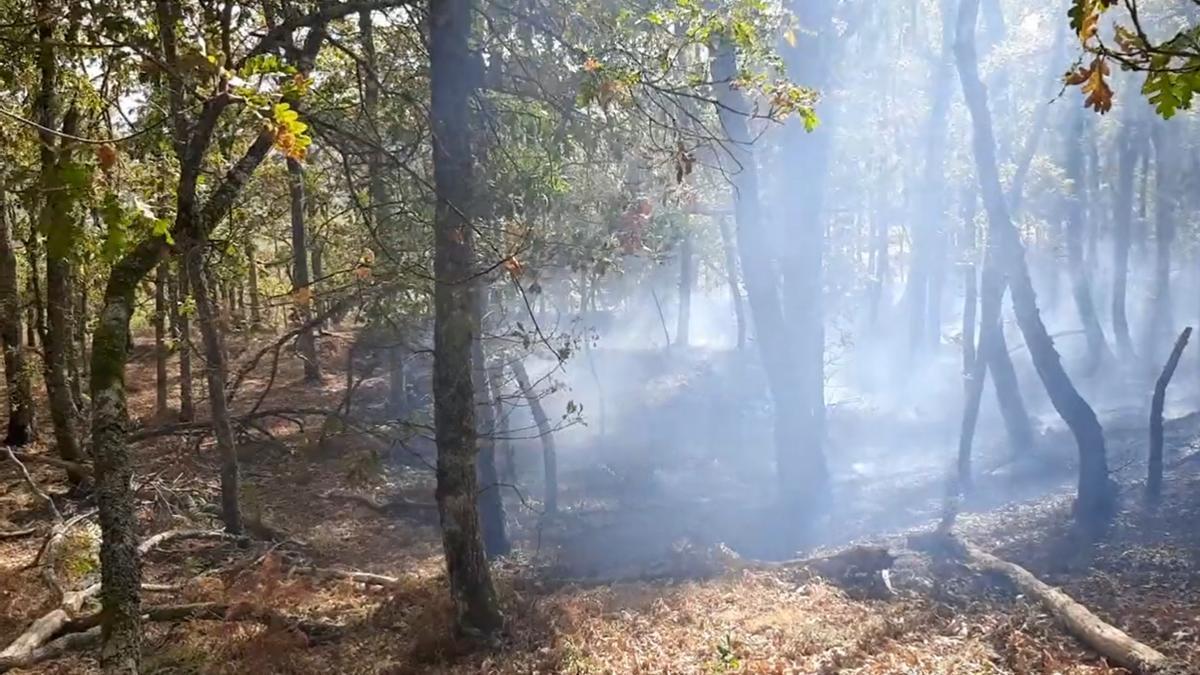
(160, 338)
(120, 574)
(802, 475)
(183, 336)
(18, 388)
(1096, 497)
(687, 278)
(545, 433)
(1081, 288)
(1127, 157)
(731, 278)
(305, 341)
(1154, 477)
(452, 81)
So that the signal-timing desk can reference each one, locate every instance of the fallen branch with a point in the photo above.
(149, 543)
(52, 461)
(17, 534)
(12, 456)
(397, 506)
(1106, 639)
(366, 578)
(51, 650)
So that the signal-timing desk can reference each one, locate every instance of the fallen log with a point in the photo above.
(1105, 639)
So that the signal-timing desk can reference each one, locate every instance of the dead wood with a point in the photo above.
(51, 650)
(395, 507)
(46, 459)
(17, 534)
(1107, 640)
(366, 578)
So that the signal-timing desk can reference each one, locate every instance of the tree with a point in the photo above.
(18, 389)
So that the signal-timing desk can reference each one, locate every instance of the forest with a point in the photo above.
(621, 336)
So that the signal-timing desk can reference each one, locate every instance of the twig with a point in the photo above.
(33, 485)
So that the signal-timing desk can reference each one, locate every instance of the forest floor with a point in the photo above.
(942, 618)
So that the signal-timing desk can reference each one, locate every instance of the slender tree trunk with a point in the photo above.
(731, 278)
(452, 81)
(491, 496)
(992, 296)
(1167, 176)
(801, 471)
(1017, 425)
(119, 569)
(970, 279)
(1076, 225)
(54, 219)
(160, 338)
(305, 342)
(1096, 497)
(1154, 476)
(18, 388)
(545, 433)
(214, 353)
(1127, 157)
(318, 270)
(256, 318)
(687, 278)
(187, 408)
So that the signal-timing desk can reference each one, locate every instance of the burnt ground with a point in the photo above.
(599, 589)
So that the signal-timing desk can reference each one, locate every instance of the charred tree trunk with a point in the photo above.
(452, 82)
(1096, 497)
(183, 321)
(1081, 288)
(545, 432)
(801, 471)
(302, 290)
(1154, 475)
(970, 280)
(18, 388)
(119, 569)
(1127, 157)
(160, 338)
(992, 296)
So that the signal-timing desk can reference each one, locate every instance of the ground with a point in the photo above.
(574, 615)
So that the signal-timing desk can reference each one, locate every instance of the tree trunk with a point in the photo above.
(119, 570)
(54, 219)
(19, 390)
(183, 321)
(1076, 224)
(801, 472)
(1127, 157)
(1154, 475)
(305, 341)
(687, 278)
(970, 279)
(256, 318)
(545, 433)
(1095, 500)
(731, 278)
(160, 339)
(452, 82)
(1053, 83)
(1167, 176)
(992, 296)
(491, 496)
(214, 354)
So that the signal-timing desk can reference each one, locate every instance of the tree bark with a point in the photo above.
(452, 82)
(1154, 477)
(1096, 497)
(1076, 224)
(18, 388)
(160, 338)
(545, 433)
(120, 573)
(1167, 176)
(305, 341)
